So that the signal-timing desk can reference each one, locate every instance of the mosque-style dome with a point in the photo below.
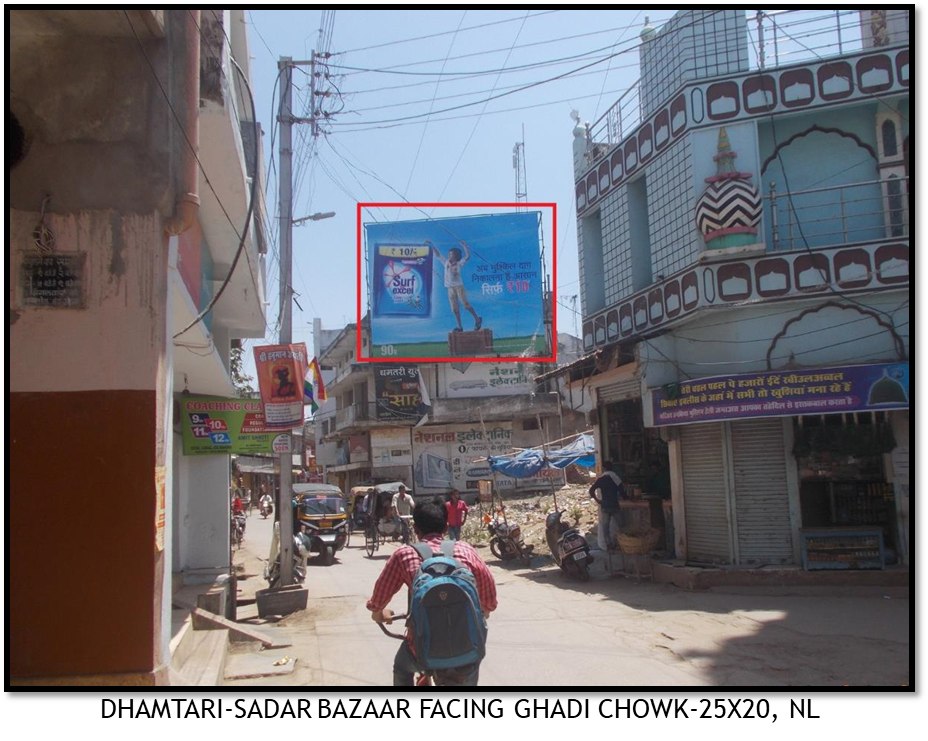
(728, 212)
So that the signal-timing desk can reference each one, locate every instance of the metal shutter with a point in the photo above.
(629, 389)
(761, 497)
(708, 531)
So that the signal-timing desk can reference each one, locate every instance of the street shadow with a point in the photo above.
(811, 636)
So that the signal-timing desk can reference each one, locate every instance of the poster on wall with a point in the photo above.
(397, 390)
(280, 370)
(391, 448)
(214, 426)
(454, 457)
(854, 388)
(457, 287)
(357, 449)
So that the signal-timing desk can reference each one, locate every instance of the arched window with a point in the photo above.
(890, 148)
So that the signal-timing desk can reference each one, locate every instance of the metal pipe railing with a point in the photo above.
(812, 217)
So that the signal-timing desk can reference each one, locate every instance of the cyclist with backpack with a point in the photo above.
(451, 593)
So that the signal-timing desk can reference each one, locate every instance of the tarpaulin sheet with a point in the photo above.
(530, 462)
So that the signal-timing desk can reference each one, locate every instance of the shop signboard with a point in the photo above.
(280, 370)
(457, 287)
(488, 379)
(785, 393)
(397, 390)
(212, 426)
(454, 457)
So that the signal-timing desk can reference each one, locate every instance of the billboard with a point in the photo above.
(855, 388)
(212, 426)
(454, 457)
(460, 287)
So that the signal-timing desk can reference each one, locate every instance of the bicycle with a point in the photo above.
(407, 533)
(427, 678)
(421, 679)
(371, 539)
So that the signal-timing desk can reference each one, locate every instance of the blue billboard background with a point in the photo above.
(414, 282)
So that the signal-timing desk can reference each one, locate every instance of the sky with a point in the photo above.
(427, 159)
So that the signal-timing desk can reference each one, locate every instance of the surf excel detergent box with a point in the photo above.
(403, 280)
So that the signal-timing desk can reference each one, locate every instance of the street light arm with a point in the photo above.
(314, 217)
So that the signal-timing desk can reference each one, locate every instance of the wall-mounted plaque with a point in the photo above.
(53, 280)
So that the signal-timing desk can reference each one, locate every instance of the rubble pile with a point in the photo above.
(529, 513)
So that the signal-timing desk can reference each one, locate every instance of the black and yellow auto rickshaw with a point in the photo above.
(319, 509)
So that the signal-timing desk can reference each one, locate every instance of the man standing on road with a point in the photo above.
(429, 522)
(457, 514)
(403, 504)
(607, 490)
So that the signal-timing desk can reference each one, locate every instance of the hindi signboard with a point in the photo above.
(397, 390)
(786, 393)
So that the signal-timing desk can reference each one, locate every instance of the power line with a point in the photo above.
(543, 42)
(477, 122)
(608, 66)
(415, 159)
(529, 85)
(486, 113)
(442, 33)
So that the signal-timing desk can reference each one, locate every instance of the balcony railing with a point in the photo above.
(619, 120)
(783, 37)
(774, 39)
(841, 214)
(366, 413)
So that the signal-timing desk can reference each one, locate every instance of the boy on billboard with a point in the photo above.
(453, 282)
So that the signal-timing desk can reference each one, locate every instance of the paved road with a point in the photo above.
(611, 631)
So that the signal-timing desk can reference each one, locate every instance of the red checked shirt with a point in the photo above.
(403, 566)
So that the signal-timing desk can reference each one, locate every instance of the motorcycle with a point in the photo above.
(301, 548)
(237, 529)
(570, 550)
(265, 508)
(506, 542)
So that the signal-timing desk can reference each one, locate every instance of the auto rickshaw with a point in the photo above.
(319, 509)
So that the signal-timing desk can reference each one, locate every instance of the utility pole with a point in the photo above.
(285, 119)
(518, 164)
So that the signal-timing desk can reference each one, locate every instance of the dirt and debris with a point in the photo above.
(529, 511)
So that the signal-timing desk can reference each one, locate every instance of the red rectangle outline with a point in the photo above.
(552, 359)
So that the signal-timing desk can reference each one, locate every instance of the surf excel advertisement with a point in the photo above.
(456, 288)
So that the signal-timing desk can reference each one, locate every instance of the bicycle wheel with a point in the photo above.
(370, 542)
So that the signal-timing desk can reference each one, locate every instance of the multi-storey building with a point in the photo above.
(430, 425)
(117, 244)
(743, 235)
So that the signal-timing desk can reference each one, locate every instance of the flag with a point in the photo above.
(320, 386)
(308, 396)
(425, 404)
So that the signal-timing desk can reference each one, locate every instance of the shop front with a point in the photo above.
(639, 452)
(790, 468)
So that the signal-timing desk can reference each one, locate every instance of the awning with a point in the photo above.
(529, 462)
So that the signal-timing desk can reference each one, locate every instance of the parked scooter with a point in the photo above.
(506, 542)
(266, 506)
(568, 546)
(301, 547)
